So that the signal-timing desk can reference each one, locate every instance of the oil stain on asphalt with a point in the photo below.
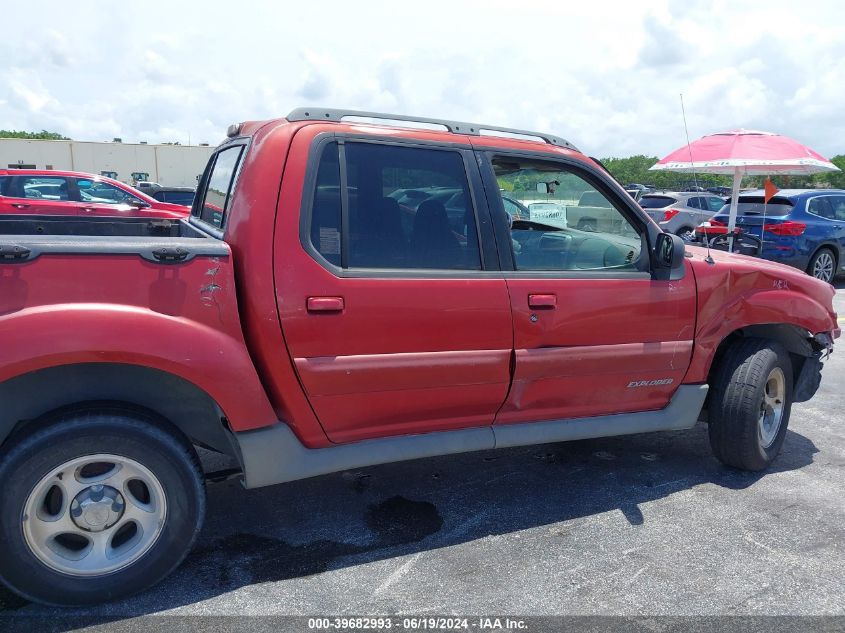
(395, 521)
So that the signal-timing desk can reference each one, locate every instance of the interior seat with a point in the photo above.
(433, 244)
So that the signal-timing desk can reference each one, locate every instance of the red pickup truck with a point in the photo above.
(350, 290)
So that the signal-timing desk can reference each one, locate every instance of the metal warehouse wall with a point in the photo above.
(172, 165)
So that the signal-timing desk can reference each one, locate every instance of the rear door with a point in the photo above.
(43, 195)
(828, 212)
(594, 334)
(394, 314)
(838, 204)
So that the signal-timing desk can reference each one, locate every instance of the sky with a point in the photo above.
(607, 76)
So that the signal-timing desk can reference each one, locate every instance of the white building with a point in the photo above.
(170, 165)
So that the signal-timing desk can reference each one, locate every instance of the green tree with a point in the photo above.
(42, 135)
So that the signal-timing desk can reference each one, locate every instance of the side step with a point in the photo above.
(274, 454)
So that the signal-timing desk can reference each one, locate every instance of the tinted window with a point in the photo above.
(221, 186)
(838, 204)
(325, 210)
(4, 185)
(754, 205)
(821, 207)
(575, 227)
(655, 202)
(176, 197)
(408, 208)
(42, 187)
(715, 203)
(698, 203)
(95, 192)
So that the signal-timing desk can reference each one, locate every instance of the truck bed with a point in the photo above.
(23, 238)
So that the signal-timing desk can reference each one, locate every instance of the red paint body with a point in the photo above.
(43, 206)
(345, 358)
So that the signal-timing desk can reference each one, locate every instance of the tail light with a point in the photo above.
(787, 228)
(669, 214)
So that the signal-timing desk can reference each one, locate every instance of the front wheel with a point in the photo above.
(823, 265)
(96, 507)
(750, 404)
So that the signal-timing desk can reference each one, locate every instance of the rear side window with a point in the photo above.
(41, 188)
(220, 186)
(715, 203)
(821, 207)
(838, 204)
(406, 208)
(4, 185)
(655, 202)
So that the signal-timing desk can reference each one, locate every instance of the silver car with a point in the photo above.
(680, 212)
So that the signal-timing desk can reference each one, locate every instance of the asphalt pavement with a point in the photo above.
(647, 524)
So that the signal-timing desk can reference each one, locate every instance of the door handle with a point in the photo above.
(87, 209)
(542, 301)
(325, 304)
(18, 205)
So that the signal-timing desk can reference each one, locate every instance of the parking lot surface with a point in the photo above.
(647, 524)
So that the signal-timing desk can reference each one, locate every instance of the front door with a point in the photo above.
(98, 198)
(394, 317)
(594, 334)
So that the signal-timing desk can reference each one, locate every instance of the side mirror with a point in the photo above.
(668, 251)
(138, 204)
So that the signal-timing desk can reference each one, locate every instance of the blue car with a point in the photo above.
(804, 228)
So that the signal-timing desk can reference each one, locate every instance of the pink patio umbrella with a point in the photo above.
(744, 153)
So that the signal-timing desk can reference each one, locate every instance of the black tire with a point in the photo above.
(736, 402)
(814, 270)
(686, 233)
(27, 460)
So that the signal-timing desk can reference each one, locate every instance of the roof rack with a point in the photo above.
(456, 127)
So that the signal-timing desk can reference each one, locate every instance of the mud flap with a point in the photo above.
(809, 379)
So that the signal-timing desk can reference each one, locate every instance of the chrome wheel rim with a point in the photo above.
(772, 407)
(687, 236)
(94, 515)
(823, 266)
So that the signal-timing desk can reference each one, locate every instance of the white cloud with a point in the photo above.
(605, 75)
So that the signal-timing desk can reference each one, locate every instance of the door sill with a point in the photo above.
(274, 455)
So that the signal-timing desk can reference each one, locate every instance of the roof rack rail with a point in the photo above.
(456, 127)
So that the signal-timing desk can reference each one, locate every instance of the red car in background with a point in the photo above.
(49, 192)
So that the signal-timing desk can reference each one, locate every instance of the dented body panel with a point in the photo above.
(736, 291)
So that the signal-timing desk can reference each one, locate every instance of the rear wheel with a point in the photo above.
(97, 506)
(750, 404)
(686, 233)
(823, 265)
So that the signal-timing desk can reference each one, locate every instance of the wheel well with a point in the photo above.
(794, 339)
(43, 394)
